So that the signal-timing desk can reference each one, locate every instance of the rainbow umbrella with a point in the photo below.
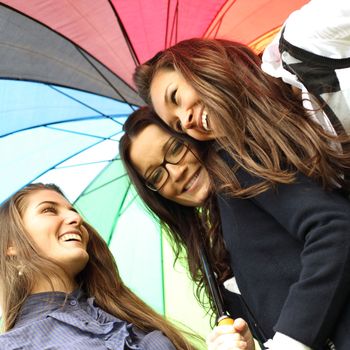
(66, 88)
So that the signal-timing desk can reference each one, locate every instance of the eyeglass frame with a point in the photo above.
(171, 141)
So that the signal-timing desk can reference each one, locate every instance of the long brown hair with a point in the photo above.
(100, 278)
(186, 227)
(266, 129)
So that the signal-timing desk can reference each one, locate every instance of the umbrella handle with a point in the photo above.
(225, 321)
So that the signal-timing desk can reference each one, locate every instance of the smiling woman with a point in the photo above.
(183, 180)
(57, 273)
(276, 240)
(178, 103)
(56, 228)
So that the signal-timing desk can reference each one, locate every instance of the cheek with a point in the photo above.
(163, 113)
(168, 194)
(157, 103)
(199, 135)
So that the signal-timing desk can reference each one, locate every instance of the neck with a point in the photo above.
(54, 285)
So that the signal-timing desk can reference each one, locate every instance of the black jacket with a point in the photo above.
(290, 253)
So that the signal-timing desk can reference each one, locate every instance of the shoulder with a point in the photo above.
(156, 340)
(33, 335)
(16, 339)
(321, 27)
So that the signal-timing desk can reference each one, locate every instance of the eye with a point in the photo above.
(49, 210)
(157, 176)
(176, 148)
(178, 127)
(173, 97)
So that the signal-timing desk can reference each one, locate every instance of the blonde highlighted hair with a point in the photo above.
(100, 278)
(265, 128)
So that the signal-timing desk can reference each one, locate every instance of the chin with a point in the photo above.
(77, 263)
(202, 136)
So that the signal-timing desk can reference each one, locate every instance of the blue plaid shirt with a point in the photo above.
(46, 321)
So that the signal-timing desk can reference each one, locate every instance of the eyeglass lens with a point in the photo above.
(174, 154)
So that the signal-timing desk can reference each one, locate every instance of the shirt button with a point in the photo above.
(73, 302)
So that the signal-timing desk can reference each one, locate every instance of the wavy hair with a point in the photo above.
(186, 227)
(265, 128)
(100, 278)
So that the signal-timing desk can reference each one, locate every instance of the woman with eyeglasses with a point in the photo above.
(286, 243)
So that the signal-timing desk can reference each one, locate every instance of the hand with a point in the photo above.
(233, 337)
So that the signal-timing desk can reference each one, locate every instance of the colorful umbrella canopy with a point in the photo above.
(66, 88)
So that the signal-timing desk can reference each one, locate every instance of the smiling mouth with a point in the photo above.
(205, 121)
(70, 237)
(192, 181)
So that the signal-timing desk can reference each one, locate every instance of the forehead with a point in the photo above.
(162, 79)
(36, 197)
(147, 148)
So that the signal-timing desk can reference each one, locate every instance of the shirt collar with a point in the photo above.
(40, 305)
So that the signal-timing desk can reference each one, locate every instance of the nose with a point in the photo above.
(186, 119)
(175, 171)
(73, 218)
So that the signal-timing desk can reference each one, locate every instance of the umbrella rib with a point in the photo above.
(162, 269)
(174, 27)
(101, 186)
(126, 36)
(167, 25)
(48, 125)
(219, 21)
(71, 156)
(63, 160)
(128, 205)
(102, 138)
(117, 215)
(80, 49)
(86, 163)
(83, 103)
(104, 77)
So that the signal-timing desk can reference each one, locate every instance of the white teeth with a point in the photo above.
(191, 182)
(205, 121)
(70, 236)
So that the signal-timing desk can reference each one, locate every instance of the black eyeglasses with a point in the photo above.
(175, 152)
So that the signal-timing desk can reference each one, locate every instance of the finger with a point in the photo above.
(236, 346)
(228, 342)
(225, 329)
(215, 336)
(242, 327)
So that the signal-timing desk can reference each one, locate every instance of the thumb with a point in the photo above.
(240, 325)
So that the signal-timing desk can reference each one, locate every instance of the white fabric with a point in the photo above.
(231, 285)
(283, 342)
(323, 28)
(272, 65)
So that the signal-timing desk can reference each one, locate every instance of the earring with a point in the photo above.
(20, 270)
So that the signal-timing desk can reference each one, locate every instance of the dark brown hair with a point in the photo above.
(100, 278)
(266, 129)
(185, 226)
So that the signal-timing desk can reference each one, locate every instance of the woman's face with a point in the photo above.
(56, 228)
(177, 103)
(188, 181)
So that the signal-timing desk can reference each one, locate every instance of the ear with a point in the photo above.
(11, 251)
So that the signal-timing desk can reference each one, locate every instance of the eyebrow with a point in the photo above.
(166, 94)
(55, 204)
(163, 149)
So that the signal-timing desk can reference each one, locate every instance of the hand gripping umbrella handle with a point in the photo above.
(223, 318)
